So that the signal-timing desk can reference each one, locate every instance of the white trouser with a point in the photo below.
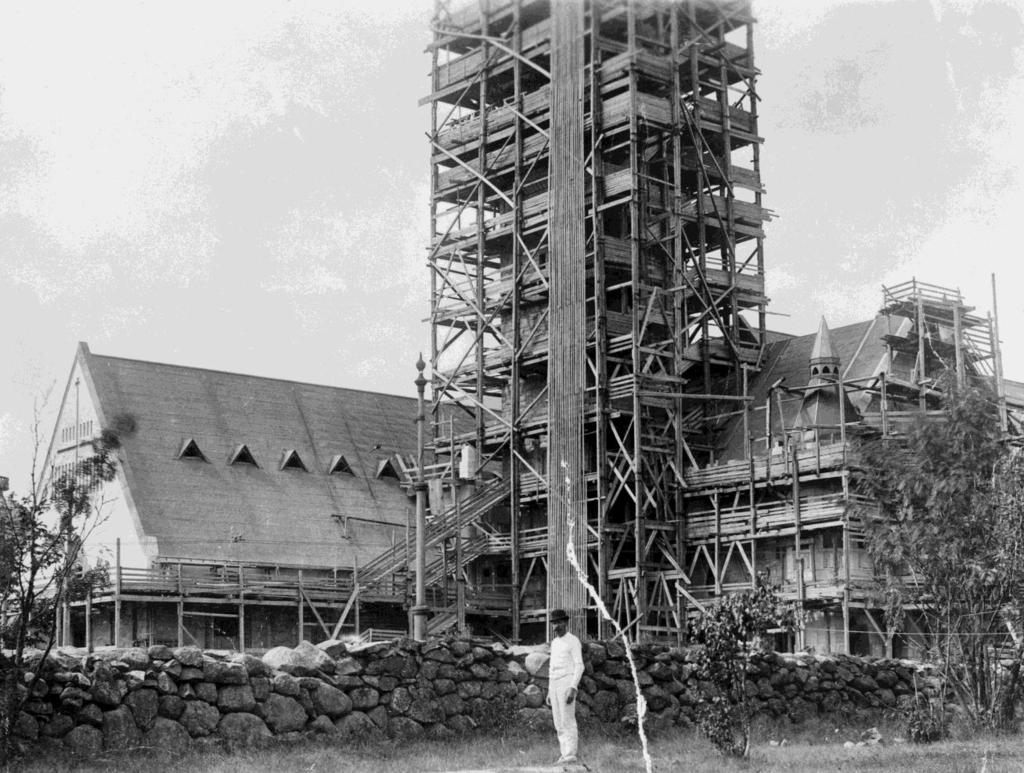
(564, 715)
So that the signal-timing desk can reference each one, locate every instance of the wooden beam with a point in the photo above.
(344, 612)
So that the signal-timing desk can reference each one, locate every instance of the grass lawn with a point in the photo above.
(810, 749)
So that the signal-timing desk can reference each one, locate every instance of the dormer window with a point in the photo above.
(190, 450)
(339, 465)
(242, 455)
(292, 461)
(385, 469)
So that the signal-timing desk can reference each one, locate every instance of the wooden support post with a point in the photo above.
(846, 585)
(884, 407)
(302, 612)
(997, 359)
(753, 523)
(88, 619)
(117, 592)
(958, 344)
(718, 545)
(355, 590)
(181, 610)
(181, 622)
(798, 562)
(921, 394)
(460, 581)
(842, 419)
(241, 607)
(241, 624)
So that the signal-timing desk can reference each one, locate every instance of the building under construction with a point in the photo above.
(604, 392)
(598, 311)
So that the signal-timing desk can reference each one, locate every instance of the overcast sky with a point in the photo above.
(244, 186)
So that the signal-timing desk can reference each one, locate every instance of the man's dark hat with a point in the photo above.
(558, 615)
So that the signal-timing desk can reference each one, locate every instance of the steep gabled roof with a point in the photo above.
(242, 512)
(861, 353)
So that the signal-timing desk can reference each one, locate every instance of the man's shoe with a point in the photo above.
(566, 760)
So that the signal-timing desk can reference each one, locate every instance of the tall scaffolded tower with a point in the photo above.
(597, 278)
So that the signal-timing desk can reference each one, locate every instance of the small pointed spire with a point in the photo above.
(824, 363)
(822, 349)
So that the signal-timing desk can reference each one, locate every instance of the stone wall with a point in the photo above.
(162, 697)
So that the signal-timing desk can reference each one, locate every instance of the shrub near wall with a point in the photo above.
(173, 698)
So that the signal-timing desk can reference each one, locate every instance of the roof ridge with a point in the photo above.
(247, 375)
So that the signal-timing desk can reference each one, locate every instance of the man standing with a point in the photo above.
(564, 672)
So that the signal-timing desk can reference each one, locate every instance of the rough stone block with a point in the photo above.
(189, 656)
(243, 729)
(284, 713)
(119, 729)
(167, 735)
(84, 741)
(170, 707)
(404, 729)
(218, 672)
(136, 658)
(358, 726)
(58, 726)
(144, 706)
(330, 701)
(364, 698)
(199, 718)
(206, 691)
(159, 652)
(233, 698)
(333, 648)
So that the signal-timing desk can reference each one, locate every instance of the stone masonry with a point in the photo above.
(174, 698)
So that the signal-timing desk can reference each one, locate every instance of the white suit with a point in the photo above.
(564, 672)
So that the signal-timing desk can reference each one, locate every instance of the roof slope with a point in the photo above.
(215, 510)
(859, 348)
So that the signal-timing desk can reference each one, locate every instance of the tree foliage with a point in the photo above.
(41, 540)
(727, 634)
(947, 543)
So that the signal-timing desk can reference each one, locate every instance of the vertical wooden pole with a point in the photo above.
(884, 407)
(117, 592)
(180, 612)
(355, 590)
(88, 619)
(302, 612)
(921, 394)
(241, 607)
(718, 545)
(958, 347)
(798, 562)
(753, 522)
(997, 358)
(846, 585)
(515, 440)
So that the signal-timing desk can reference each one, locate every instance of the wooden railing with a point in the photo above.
(702, 524)
(814, 458)
(232, 581)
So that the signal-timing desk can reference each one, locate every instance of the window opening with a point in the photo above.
(242, 455)
(190, 450)
(292, 461)
(339, 465)
(385, 469)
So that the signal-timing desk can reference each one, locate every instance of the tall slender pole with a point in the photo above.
(997, 358)
(117, 592)
(420, 611)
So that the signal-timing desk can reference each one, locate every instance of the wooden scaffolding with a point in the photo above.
(597, 277)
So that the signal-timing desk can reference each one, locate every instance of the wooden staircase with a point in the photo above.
(442, 527)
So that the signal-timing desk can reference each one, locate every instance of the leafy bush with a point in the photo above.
(728, 634)
(926, 722)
